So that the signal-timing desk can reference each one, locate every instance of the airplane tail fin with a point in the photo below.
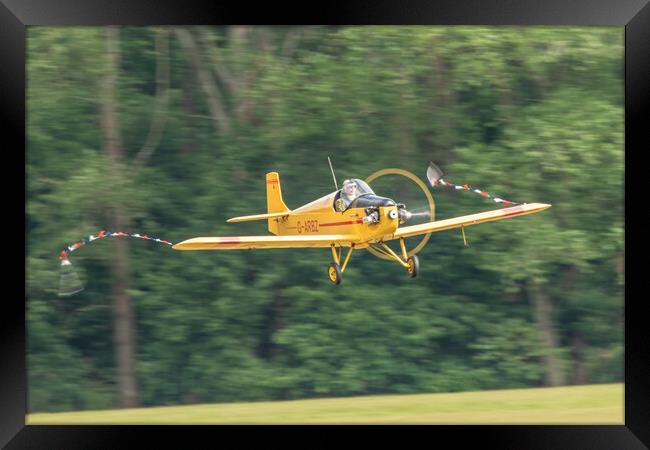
(274, 201)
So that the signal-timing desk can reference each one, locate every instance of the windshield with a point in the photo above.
(363, 187)
(353, 188)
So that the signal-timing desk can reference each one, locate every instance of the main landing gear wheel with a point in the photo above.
(413, 266)
(334, 273)
(430, 208)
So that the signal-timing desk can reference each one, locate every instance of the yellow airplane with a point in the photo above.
(353, 217)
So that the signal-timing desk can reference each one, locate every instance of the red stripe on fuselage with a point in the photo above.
(333, 224)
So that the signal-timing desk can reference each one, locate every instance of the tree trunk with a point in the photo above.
(543, 309)
(578, 368)
(274, 322)
(124, 336)
(444, 103)
(579, 373)
(123, 317)
(189, 111)
(161, 102)
(213, 97)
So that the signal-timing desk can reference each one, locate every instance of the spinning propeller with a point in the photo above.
(405, 187)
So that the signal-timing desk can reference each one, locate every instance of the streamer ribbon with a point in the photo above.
(104, 234)
(434, 175)
(69, 282)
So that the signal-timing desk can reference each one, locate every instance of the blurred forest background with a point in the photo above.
(169, 131)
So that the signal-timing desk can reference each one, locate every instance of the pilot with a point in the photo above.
(349, 192)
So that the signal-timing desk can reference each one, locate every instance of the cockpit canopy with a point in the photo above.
(358, 187)
(356, 193)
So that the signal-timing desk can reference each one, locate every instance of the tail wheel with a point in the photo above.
(334, 273)
(422, 188)
(413, 266)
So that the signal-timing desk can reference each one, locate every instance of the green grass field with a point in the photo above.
(592, 404)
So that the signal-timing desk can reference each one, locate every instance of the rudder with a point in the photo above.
(274, 202)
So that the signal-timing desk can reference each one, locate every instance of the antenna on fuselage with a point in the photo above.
(336, 186)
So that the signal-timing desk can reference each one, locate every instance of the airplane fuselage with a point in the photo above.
(320, 217)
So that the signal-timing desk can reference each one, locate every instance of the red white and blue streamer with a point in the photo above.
(467, 187)
(434, 175)
(105, 234)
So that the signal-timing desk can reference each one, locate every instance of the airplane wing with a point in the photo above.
(250, 242)
(472, 219)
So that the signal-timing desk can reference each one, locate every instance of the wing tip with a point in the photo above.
(543, 206)
(184, 245)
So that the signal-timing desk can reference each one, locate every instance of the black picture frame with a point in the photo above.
(634, 15)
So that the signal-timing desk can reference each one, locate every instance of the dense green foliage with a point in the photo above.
(531, 114)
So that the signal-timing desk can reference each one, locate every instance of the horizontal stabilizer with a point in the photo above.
(258, 217)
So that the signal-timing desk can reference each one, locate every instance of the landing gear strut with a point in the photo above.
(410, 263)
(335, 270)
